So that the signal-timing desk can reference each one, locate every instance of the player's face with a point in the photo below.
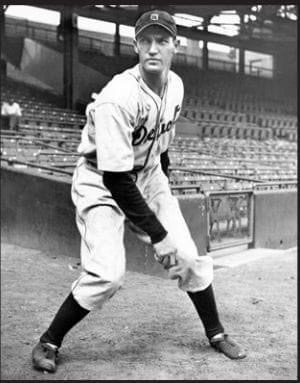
(156, 48)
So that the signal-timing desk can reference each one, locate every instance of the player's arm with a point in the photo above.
(165, 162)
(125, 192)
(115, 158)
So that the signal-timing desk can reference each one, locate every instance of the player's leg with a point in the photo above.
(103, 263)
(195, 273)
(103, 268)
(101, 225)
(45, 353)
(102, 257)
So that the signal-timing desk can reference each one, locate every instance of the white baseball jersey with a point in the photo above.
(133, 124)
(128, 126)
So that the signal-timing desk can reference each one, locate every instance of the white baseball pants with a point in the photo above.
(101, 225)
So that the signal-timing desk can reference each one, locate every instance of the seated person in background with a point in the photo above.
(11, 114)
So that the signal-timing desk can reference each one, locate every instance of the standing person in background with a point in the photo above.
(129, 128)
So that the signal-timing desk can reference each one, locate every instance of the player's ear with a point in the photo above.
(176, 44)
(135, 46)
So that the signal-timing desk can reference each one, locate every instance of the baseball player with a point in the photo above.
(130, 125)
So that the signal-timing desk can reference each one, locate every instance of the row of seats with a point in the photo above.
(239, 94)
(33, 106)
(40, 154)
(49, 136)
(231, 101)
(222, 87)
(243, 109)
(225, 116)
(52, 120)
(213, 115)
(241, 132)
(225, 146)
(268, 160)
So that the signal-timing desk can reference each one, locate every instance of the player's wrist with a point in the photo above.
(159, 236)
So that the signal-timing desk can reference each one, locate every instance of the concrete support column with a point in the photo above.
(70, 56)
(241, 61)
(3, 43)
(205, 58)
(2, 23)
(205, 55)
(241, 48)
(117, 41)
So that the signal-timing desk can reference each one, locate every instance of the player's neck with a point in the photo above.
(156, 82)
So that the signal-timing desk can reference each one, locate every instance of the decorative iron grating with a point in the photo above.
(229, 218)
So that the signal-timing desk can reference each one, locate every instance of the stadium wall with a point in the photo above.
(37, 212)
(275, 219)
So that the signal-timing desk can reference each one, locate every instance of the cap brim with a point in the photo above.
(156, 23)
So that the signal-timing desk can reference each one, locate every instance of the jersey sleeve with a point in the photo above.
(113, 135)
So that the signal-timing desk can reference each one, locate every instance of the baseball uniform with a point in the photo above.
(120, 174)
(128, 127)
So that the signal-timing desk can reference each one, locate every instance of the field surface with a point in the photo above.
(150, 329)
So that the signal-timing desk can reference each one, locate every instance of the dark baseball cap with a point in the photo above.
(156, 17)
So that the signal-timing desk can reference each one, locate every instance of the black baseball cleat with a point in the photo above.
(44, 357)
(223, 343)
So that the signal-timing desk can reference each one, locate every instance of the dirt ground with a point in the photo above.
(150, 329)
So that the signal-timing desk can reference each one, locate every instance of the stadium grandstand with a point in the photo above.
(235, 152)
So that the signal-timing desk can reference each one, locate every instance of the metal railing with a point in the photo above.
(283, 186)
(215, 174)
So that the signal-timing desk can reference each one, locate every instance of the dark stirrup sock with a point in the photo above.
(206, 307)
(68, 315)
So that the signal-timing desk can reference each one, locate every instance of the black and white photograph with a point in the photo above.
(149, 192)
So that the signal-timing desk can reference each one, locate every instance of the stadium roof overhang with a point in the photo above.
(127, 15)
